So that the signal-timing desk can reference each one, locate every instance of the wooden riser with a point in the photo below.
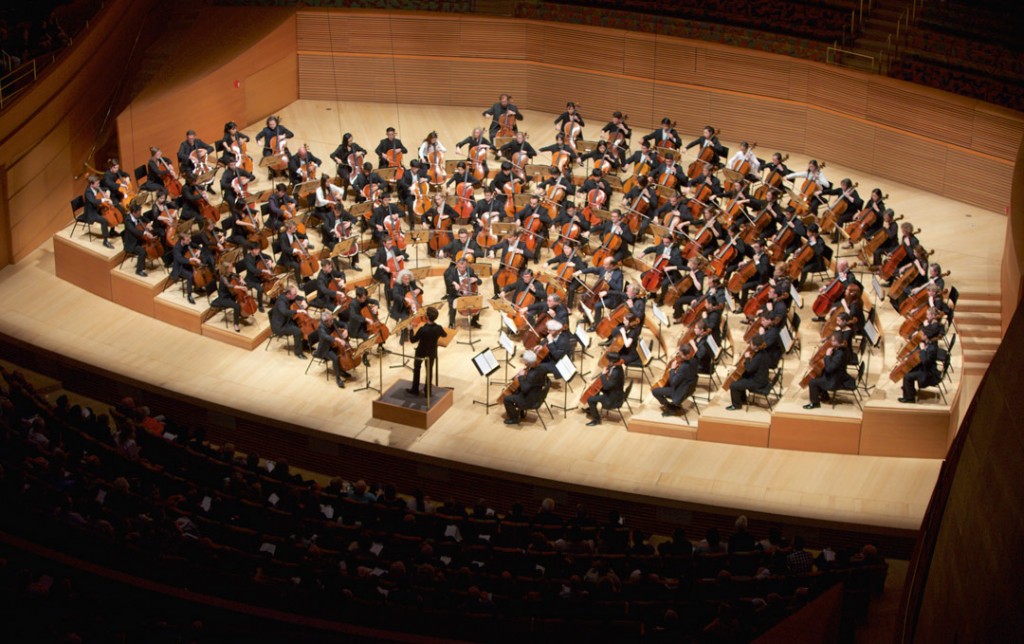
(137, 293)
(171, 307)
(84, 263)
(979, 331)
(978, 307)
(650, 421)
(252, 336)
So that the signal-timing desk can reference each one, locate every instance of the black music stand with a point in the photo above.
(566, 371)
(364, 348)
(486, 364)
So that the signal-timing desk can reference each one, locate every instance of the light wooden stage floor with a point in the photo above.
(881, 491)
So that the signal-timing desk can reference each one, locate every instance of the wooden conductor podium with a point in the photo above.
(396, 405)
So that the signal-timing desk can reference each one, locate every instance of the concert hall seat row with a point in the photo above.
(169, 519)
(916, 69)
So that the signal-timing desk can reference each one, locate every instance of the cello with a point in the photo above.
(532, 228)
(343, 348)
(698, 242)
(862, 221)
(307, 266)
(478, 157)
(394, 159)
(507, 123)
(247, 304)
(595, 387)
(810, 187)
(108, 210)
(373, 324)
(651, 280)
(704, 157)
(905, 365)
(610, 243)
(920, 294)
(743, 274)
(569, 233)
(393, 227)
(741, 365)
(867, 251)
(743, 167)
(596, 200)
(170, 180)
(512, 262)
(202, 275)
(836, 210)
(437, 172)
(303, 319)
(773, 181)
(722, 258)
(465, 204)
(484, 238)
(440, 229)
(828, 297)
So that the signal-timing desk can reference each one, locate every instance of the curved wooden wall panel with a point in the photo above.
(964, 149)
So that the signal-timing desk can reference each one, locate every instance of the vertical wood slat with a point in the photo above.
(919, 113)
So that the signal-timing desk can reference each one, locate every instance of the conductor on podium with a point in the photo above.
(425, 338)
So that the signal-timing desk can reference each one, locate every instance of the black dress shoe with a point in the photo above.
(474, 324)
(191, 300)
(593, 423)
(346, 375)
(812, 406)
(142, 273)
(511, 421)
(106, 242)
(340, 383)
(412, 392)
(731, 408)
(906, 400)
(366, 360)
(818, 318)
(261, 309)
(300, 356)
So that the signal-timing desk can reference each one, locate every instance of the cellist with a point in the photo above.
(813, 173)
(754, 375)
(501, 108)
(526, 282)
(561, 146)
(406, 297)
(816, 263)
(192, 154)
(328, 282)
(669, 173)
(526, 218)
(682, 380)
(91, 213)
(570, 257)
(113, 180)
(764, 270)
(552, 305)
(925, 374)
(491, 206)
(612, 392)
(157, 168)
(225, 299)
(274, 129)
(844, 278)
(329, 335)
(298, 165)
(459, 278)
(234, 179)
(231, 143)
(695, 269)
(390, 143)
(342, 156)
(385, 263)
(531, 381)
(282, 322)
(608, 298)
(707, 139)
(746, 155)
(516, 146)
(462, 243)
(476, 140)
(365, 177)
(259, 268)
(288, 255)
(616, 227)
(666, 253)
(182, 266)
(505, 250)
(854, 204)
(665, 136)
(134, 238)
(386, 215)
(616, 129)
(834, 374)
(280, 202)
(644, 200)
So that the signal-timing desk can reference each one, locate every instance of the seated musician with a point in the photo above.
(298, 165)
(816, 263)
(570, 253)
(474, 140)
(234, 178)
(386, 218)
(844, 327)
(596, 181)
(526, 282)
(560, 343)
(531, 387)
(845, 277)
(707, 177)
(570, 115)
(491, 206)
(892, 236)
(932, 326)
(514, 244)
(715, 295)
(813, 173)
(616, 226)
(440, 211)
(366, 177)
(669, 168)
(429, 145)
(325, 279)
(499, 109)
(91, 212)
(426, 339)
(854, 204)
(732, 235)
(357, 322)
(629, 330)
(568, 213)
(241, 223)
(777, 165)
(645, 192)
(682, 381)
(615, 127)
(134, 238)
(834, 375)
(183, 266)
(462, 243)
(876, 204)
(384, 262)
(635, 303)
(764, 271)
(517, 145)
(404, 297)
(157, 167)
(754, 376)
(695, 268)
(534, 207)
(232, 137)
(704, 356)
(557, 178)
(612, 394)
(460, 176)
(258, 266)
(192, 153)
(389, 143)
(289, 255)
(340, 157)
(336, 225)
(707, 139)
(282, 321)
(925, 374)
(328, 335)
(560, 146)
(191, 198)
(609, 298)
(552, 305)
(674, 215)
(771, 205)
(109, 182)
(666, 249)
(745, 154)
(643, 156)
(771, 333)
(226, 300)
(459, 278)
(665, 136)
(273, 128)
(924, 280)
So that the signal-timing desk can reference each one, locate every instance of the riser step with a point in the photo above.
(978, 307)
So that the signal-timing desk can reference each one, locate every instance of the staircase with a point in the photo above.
(978, 320)
(877, 38)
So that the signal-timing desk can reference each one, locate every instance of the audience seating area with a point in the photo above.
(126, 493)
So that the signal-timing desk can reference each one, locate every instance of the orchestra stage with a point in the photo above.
(826, 464)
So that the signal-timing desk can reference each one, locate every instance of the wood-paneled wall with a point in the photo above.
(247, 88)
(958, 147)
(48, 133)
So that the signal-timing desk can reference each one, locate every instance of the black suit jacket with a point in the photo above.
(756, 369)
(531, 386)
(612, 385)
(425, 338)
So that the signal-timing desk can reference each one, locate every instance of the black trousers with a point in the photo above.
(738, 391)
(291, 329)
(417, 365)
(225, 303)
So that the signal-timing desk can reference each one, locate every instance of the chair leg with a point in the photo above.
(308, 365)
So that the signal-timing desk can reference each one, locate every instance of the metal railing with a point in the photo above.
(836, 55)
(17, 81)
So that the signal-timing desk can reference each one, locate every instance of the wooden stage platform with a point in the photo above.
(830, 465)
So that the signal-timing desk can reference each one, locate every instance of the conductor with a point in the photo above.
(425, 338)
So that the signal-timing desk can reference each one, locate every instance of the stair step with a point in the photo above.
(976, 371)
(978, 317)
(978, 356)
(975, 306)
(981, 295)
(979, 331)
(972, 343)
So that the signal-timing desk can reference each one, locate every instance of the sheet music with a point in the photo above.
(879, 293)
(582, 335)
(509, 323)
(566, 369)
(729, 300)
(485, 362)
(589, 313)
(659, 315)
(871, 331)
(506, 343)
(797, 299)
(787, 339)
(644, 349)
(715, 349)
